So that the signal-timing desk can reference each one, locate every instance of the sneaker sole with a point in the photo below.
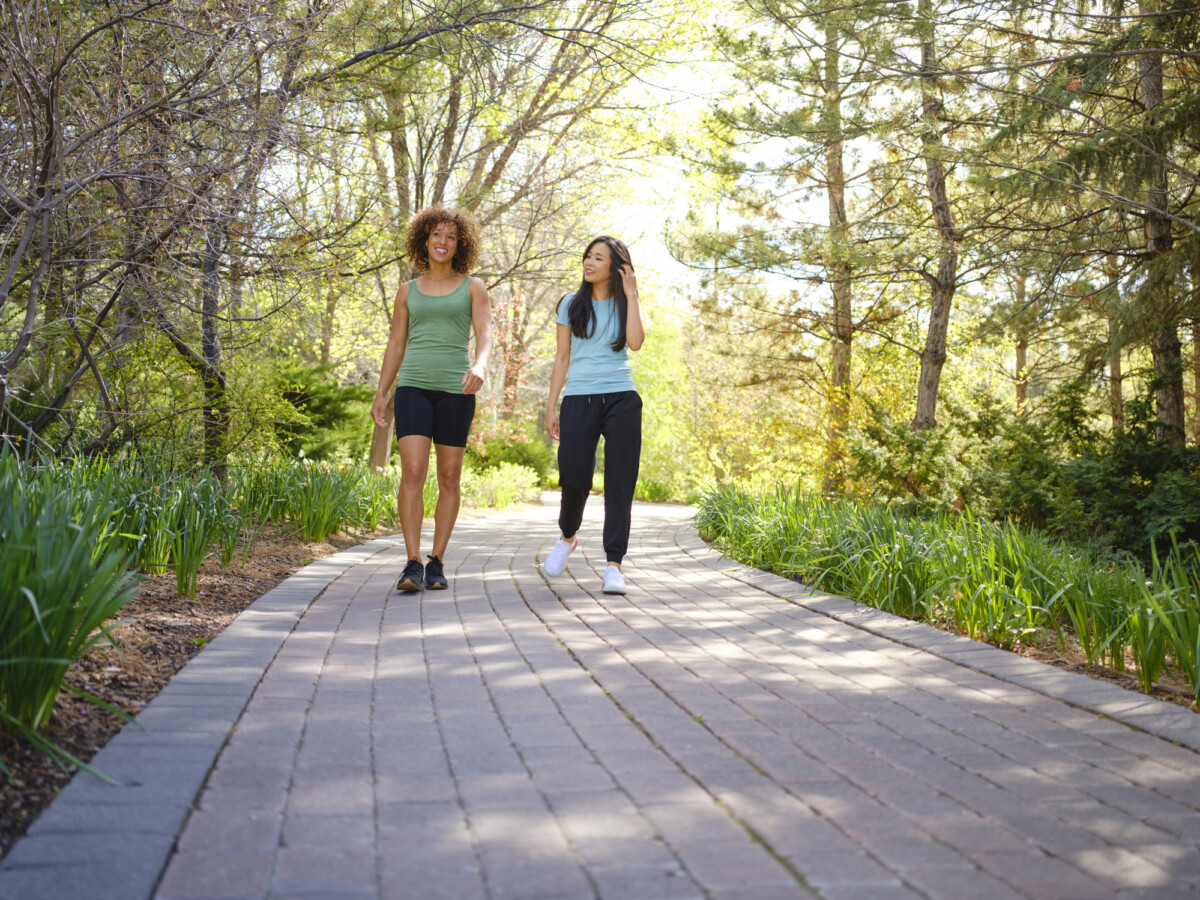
(437, 586)
(408, 586)
(614, 590)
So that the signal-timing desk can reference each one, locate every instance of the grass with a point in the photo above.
(62, 576)
(993, 582)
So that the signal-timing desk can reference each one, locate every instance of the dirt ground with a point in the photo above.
(164, 631)
(1072, 659)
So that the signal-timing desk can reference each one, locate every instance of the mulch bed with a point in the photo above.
(162, 633)
(1072, 659)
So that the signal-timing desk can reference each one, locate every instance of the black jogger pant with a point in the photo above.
(582, 419)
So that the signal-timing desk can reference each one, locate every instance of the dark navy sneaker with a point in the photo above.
(435, 575)
(414, 574)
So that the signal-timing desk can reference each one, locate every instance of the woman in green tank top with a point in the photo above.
(428, 363)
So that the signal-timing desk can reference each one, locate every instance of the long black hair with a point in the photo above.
(582, 314)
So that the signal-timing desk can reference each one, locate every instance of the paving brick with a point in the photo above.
(824, 870)
(626, 882)
(117, 882)
(763, 892)
(679, 823)
(325, 867)
(421, 817)
(231, 830)
(519, 832)
(1043, 877)
(217, 875)
(567, 777)
(93, 848)
(535, 875)
(427, 854)
(151, 816)
(901, 853)
(442, 886)
(304, 830)
(332, 797)
(724, 864)
(895, 891)
(1161, 892)
(251, 776)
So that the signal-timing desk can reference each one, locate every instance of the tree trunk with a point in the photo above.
(515, 359)
(1164, 344)
(944, 283)
(398, 140)
(381, 439)
(328, 322)
(838, 269)
(1196, 371)
(1022, 367)
(1117, 400)
(216, 405)
(1021, 381)
(1168, 378)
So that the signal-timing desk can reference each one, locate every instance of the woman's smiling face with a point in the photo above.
(597, 264)
(443, 241)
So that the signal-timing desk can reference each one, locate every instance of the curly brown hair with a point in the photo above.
(416, 238)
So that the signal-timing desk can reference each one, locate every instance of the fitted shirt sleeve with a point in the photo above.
(562, 318)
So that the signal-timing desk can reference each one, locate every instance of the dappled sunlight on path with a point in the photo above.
(700, 737)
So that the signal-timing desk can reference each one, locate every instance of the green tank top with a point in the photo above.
(439, 329)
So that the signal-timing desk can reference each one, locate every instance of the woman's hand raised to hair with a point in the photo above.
(628, 280)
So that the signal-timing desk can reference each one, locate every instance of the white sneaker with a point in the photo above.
(556, 562)
(614, 581)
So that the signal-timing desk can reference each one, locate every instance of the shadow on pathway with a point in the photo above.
(701, 737)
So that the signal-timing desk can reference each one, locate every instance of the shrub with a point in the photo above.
(532, 454)
(916, 470)
(500, 486)
(61, 578)
(652, 491)
(331, 417)
(1127, 490)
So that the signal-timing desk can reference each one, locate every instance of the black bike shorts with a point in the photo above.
(440, 415)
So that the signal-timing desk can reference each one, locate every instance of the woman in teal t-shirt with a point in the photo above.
(428, 363)
(597, 326)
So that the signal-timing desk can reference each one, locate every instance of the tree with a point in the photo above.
(143, 204)
(802, 67)
(1106, 98)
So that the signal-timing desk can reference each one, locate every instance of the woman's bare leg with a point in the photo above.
(449, 476)
(414, 467)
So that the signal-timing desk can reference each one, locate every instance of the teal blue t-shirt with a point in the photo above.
(595, 367)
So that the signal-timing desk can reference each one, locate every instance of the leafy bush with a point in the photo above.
(331, 417)
(652, 491)
(916, 470)
(1127, 489)
(1132, 489)
(500, 486)
(62, 575)
(532, 454)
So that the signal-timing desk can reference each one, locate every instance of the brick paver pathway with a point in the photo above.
(701, 737)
